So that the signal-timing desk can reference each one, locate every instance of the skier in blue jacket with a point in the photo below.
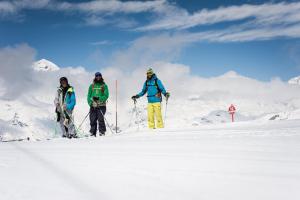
(65, 102)
(154, 89)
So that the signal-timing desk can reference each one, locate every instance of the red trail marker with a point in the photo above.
(231, 111)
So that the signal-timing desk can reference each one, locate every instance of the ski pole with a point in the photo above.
(131, 117)
(166, 111)
(77, 130)
(84, 120)
(55, 133)
(55, 126)
(107, 122)
(136, 113)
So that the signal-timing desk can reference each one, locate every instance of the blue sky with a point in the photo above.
(259, 39)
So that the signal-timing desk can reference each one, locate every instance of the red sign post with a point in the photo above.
(231, 111)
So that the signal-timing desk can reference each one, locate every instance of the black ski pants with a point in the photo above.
(97, 118)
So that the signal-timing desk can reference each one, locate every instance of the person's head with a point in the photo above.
(64, 82)
(98, 77)
(149, 73)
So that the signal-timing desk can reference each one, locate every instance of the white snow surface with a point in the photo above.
(244, 160)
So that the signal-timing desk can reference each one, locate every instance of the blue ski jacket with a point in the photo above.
(153, 88)
(70, 99)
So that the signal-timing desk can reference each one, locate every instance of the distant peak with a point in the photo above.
(294, 81)
(45, 65)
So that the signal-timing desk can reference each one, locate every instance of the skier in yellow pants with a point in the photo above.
(154, 88)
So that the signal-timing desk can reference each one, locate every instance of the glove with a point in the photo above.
(95, 98)
(58, 117)
(167, 95)
(134, 97)
(94, 104)
(100, 103)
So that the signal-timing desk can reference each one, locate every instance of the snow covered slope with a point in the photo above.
(245, 161)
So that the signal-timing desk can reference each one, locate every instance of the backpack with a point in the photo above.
(157, 87)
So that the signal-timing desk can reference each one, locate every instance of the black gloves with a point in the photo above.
(57, 115)
(95, 98)
(167, 95)
(96, 102)
(134, 97)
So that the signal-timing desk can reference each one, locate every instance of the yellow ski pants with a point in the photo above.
(154, 111)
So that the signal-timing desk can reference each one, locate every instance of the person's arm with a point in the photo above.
(89, 96)
(56, 99)
(71, 105)
(144, 90)
(105, 95)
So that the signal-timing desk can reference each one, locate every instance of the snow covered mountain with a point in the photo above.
(45, 65)
(294, 81)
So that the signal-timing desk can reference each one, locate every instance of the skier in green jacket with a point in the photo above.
(97, 97)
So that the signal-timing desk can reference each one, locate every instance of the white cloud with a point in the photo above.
(31, 4)
(252, 22)
(15, 70)
(241, 34)
(165, 42)
(13, 7)
(112, 6)
(95, 13)
(95, 20)
(148, 49)
(120, 22)
(6, 8)
(264, 13)
(102, 42)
